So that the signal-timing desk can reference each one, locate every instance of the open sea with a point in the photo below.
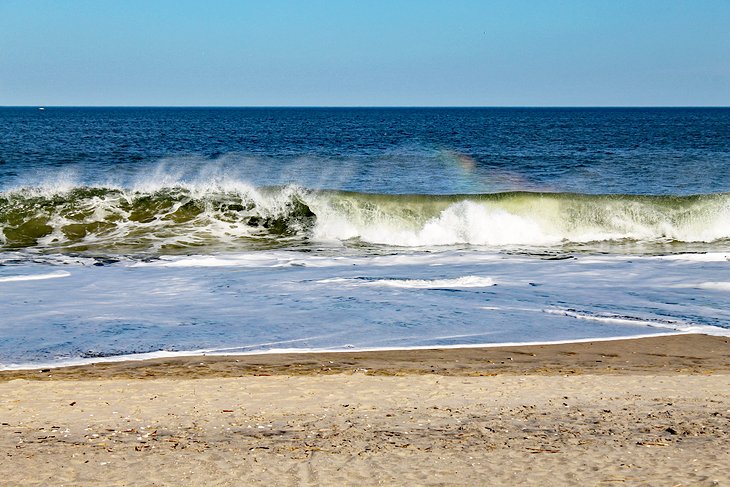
(138, 232)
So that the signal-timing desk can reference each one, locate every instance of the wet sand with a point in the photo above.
(652, 411)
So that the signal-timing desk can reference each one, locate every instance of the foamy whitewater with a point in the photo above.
(428, 228)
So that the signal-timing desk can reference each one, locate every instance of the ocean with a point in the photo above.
(140, 232)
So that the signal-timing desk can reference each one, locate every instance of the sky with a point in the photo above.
(365, 53)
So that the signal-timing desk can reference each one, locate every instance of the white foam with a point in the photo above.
(679, 326)
(237, 260)
(294, 259)
(456, 283)
(720, 286)
(35, 277)
(465, 222)
(713, 286)
(625, 320)
(698, 257)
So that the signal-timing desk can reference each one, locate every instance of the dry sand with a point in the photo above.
(633, 412)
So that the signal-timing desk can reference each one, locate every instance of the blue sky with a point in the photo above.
(365, 53)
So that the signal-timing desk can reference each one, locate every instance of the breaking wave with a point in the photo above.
(240, 216)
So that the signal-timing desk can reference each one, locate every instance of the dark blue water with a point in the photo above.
(670, 151)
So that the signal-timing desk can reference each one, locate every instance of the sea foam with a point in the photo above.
(35, 277)
(455, 283)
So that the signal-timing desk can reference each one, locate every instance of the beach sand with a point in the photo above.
(652, 411)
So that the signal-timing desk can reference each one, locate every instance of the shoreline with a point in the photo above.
(224, 352)
(663, 354)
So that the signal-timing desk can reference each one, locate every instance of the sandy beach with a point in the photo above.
(652, 411)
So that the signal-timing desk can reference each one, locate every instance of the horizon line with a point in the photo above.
(364, 106)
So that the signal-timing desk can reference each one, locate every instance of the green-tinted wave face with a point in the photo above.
(209, 218)
(169, 219)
